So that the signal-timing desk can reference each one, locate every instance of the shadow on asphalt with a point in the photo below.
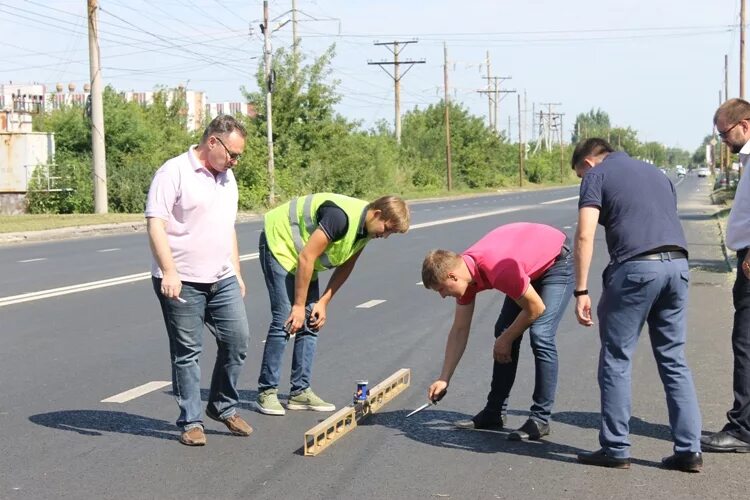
(436, 428)
(98, 422)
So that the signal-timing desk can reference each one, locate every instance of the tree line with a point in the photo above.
(315, 148)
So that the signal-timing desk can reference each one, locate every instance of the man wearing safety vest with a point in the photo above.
(301, 237)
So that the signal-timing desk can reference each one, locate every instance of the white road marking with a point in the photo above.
(370, 303)
(108, 250)
(465, 217)
(92, 285)
(32, 260)
(568, 227)
(419, 283)
(559, 201)
(131, 278)
(136, 392)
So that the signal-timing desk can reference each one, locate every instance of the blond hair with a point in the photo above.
(733, 111)
(436, 266)
(393, 210)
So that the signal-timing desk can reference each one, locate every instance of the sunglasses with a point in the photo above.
(232, 156)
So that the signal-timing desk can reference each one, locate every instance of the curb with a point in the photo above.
(74, 232)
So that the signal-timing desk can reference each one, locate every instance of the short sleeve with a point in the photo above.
(332, 220)
(161, 195)
(591, 191)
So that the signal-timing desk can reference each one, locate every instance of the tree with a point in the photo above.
(595, 123)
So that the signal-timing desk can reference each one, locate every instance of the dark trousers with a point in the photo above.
(739, 415)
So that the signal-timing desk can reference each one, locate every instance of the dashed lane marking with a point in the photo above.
(136, 392)
(32, 260)
(370, 303)
(131, 278)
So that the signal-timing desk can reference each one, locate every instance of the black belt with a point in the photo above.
(673, 255)
(564, 252)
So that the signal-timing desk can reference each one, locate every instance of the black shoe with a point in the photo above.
(531, 430)
(600, 458)
(686, 461)
(485, 419)
(724, 442)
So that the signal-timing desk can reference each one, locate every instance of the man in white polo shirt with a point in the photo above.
(732, 121)
(191, 211)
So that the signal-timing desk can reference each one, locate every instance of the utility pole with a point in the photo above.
(722, 150)
(562, 151)
(398, 46)
(295, 40)
(494, 92)
(725, 158)
(446, 102)
(269, 81)
(546, 125)
(97, 114)
(520, 145)
(742, 49)
(489, 97)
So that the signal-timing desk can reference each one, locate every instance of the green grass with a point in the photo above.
(38, 222)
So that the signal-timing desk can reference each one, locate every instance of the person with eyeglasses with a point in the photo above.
(191, 212)
(732, 121)
(645, 282)
(300, 238)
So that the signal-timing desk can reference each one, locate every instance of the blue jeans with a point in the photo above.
(220, 307)
(280, 285)
(636, 292)
(555, 287)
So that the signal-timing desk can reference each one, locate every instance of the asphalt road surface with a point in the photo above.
(79, 324)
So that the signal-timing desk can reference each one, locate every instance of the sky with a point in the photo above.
(656, 66)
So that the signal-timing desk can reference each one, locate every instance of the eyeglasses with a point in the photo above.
(723, 134)
(232, 156)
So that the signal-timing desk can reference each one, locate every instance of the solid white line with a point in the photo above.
(31, 260)
(559, 201)
(131, 278)
(108, 250)
(370, 303)
(126, 396)
(466, 217)
(92, 285)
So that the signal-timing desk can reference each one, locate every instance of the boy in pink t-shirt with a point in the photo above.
(530, 264)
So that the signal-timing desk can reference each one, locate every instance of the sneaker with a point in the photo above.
(268, 403)
(485, 419)
(235, 424)
(307, 400)
(531, 430)
(193, 437)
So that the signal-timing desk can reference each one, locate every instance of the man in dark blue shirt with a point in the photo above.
(646, 281)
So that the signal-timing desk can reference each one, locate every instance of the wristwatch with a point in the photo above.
(578, 293)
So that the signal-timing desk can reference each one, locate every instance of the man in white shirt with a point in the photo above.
(732, 121)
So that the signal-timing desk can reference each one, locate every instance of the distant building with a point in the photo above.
(30, 154)
(27, 153)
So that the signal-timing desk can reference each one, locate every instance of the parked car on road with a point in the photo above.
(680, 170)
(703, 172)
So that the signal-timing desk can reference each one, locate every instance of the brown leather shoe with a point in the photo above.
(235, 424)
(193, 437)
